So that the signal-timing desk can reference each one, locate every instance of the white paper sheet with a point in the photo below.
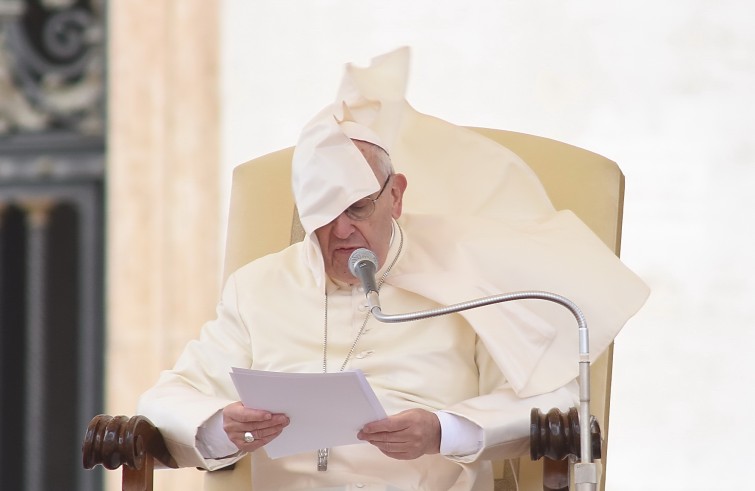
(325, 409)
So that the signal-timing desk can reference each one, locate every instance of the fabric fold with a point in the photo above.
(481, 222)
(454, 259)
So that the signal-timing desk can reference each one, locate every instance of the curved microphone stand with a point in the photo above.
(363, 264)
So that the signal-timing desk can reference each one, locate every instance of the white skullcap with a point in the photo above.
(356, 131)
(329, 173)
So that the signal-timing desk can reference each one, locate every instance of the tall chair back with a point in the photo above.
(263, 220)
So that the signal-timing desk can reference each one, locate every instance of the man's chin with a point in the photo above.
(343, 274)
(340, 267)
(341, 258)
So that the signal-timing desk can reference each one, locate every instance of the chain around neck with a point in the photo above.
(366, 317)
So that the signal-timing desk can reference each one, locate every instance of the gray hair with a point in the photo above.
(376, 153)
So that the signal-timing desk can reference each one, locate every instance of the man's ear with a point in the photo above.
(397, 193)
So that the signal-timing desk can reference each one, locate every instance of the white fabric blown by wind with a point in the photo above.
(478, 222)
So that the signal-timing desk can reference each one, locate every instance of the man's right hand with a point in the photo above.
(264, 425)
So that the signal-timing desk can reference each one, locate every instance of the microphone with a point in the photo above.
(363, 264)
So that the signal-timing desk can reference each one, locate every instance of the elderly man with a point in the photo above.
(367, 223)
(457, 389)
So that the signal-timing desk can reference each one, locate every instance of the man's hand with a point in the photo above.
(406, 435)
(263, 425)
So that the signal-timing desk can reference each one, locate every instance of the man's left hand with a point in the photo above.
(406, 435)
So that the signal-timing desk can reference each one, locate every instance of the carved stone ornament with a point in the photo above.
(51, 66)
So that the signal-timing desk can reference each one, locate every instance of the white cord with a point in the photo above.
(514, 473)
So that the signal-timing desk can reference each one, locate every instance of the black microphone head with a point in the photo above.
(359, 256)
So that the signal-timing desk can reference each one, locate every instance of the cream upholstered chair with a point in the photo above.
(262, 220)
(590, 185)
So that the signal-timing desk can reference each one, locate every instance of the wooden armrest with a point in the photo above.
(555, 436)
(134, 443)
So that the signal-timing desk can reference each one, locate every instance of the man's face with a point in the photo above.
(339, 238)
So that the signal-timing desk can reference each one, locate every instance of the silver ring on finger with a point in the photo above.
(248, 437)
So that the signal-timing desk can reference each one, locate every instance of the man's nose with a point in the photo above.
(343, 226)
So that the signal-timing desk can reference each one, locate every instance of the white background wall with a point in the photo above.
(664, 88)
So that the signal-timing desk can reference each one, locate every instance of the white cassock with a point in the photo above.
(271, 318)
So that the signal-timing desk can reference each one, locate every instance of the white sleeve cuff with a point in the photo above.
(458, 435)
(212, 440)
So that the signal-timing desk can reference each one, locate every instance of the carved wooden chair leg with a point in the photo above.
(555, 436)
(138, 479)
(134, 443)
(555, 475)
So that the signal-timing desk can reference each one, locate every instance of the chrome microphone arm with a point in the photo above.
(586, 470)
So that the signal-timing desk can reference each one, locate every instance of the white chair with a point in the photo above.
(263, 219)
(590, 185)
